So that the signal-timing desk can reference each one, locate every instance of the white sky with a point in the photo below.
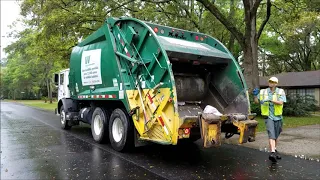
(10, 12)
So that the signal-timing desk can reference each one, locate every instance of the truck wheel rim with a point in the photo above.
(97, 124)
(63, 117)
(117, 130)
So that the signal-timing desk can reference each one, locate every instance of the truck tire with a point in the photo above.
(120, 131)
(99, 124)
(63, 122)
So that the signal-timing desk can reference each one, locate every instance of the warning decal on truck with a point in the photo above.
(91, 67)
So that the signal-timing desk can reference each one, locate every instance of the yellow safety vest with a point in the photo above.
(275, 97)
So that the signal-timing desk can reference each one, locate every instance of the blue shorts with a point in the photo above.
(274, 128)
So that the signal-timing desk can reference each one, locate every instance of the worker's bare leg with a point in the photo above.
(277, 153)
(272, 144)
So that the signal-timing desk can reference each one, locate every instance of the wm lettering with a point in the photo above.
(87, 59)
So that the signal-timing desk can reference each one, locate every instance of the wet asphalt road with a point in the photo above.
(34, 147)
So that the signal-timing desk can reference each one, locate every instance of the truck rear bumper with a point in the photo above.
(210, 128)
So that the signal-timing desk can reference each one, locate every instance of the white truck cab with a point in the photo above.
(62, 82)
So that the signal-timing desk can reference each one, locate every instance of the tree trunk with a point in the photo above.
(250, 64)
(249, 40)
(49, 90)
(250, 47)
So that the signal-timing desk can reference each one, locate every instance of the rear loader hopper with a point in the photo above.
(169, 84)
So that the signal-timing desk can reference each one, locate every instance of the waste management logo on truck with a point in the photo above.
(91, 67)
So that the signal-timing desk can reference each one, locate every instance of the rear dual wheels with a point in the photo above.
(120, 130)
(99, 124)
(119, 126)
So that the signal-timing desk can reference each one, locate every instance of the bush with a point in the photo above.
(44, 98)
(299, 105)
(255, 108)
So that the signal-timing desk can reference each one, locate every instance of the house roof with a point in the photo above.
(295, 79)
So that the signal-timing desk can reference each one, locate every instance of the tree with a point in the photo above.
(193, 16)
(293, 41)
(53, 28)
(21, 74)
(248, 39)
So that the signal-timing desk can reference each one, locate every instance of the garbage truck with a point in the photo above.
(135, 82)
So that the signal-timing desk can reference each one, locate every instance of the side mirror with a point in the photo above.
(56, 79)
(242, 70)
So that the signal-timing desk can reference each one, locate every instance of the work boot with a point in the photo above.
(272, 157)
(278, 155)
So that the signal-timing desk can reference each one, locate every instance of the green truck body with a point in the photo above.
(134, 80)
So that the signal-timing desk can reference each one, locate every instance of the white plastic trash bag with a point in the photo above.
(212, 110)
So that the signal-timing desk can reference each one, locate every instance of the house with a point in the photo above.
(302, 83)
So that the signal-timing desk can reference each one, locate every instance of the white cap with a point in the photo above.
(274, 79)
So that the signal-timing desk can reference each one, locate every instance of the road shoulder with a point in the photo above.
(303, 141)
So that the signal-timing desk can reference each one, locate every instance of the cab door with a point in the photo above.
(63, 89)
(61, 92)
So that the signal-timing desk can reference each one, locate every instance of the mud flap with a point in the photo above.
(247, 130)
(210, 130)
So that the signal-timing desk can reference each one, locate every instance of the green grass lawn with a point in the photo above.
(291, 122)
(37, 103)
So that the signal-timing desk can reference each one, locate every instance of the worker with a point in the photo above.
(271, 100)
